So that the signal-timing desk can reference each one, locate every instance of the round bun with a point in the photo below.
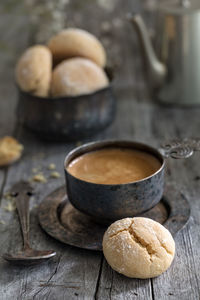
(77, 76)
(73, 42)
(33, 70)
(138, 247)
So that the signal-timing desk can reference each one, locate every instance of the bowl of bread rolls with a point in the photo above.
(65, 90)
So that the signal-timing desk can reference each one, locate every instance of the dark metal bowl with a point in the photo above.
(67, 118)
(107, 203)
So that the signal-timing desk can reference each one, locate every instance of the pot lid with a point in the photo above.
(180, 7)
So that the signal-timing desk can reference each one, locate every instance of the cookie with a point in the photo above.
(10, 150)
(138, 247)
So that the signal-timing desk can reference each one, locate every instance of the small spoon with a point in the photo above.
(22, 192)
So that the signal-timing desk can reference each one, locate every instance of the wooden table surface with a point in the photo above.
(76, 273)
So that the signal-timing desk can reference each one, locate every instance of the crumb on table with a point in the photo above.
(51, 166)
(36, 170)
(39, 178)
(55, 174)
(8, 196)
(10, 206)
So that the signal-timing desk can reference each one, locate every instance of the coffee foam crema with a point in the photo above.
(114, 166)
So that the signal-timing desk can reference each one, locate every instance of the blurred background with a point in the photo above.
(28, 22)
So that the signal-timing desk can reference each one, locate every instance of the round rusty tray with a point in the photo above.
(68, 225)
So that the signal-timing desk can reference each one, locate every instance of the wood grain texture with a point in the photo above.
(75, 273)
(69, 272)
(183, 174)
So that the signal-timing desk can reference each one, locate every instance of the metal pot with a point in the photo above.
(67, 118)
(106, 202)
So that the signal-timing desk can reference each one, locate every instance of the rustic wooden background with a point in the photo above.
(75, 273)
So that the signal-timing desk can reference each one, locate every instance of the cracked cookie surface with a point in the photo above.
(138, 247)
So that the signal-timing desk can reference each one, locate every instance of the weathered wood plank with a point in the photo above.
(75, 273)
(116, 286)
(182, 279)
(12, 43)
(71, 272)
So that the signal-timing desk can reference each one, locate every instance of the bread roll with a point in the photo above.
(33, 70)
(138, 247)
(73, 42)
(77, 76)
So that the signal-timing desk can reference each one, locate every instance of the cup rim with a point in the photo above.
(112, 142)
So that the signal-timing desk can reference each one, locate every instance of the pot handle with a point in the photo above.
(180, 148)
